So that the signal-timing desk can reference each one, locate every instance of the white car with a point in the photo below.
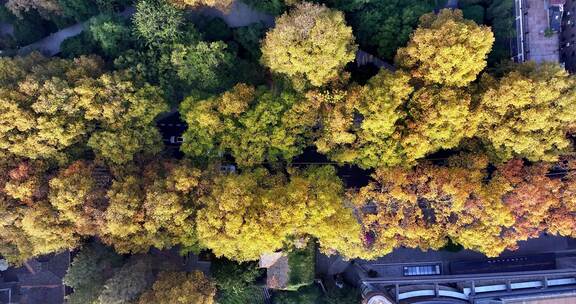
(176, 140)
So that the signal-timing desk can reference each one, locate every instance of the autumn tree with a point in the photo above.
(425, 206)
(39, 114)
(538, 203)
(152, 207)
(21, 185)
(253, 213)
(447, 49)
(254, 125)
(52, 108)
(374, 139)
(529, 112)
(30, 225)
(311, 42)
(439, 118)
(180, 288)
(234, 222)
(316, 200)
(77, 198)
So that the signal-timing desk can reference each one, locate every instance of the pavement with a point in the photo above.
(50, 45)
(238, 15)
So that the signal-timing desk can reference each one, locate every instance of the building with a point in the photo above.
(37, 281)
(538, 30)
(568, 36)
(542, 271)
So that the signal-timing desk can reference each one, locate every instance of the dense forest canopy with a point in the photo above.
(459, 144)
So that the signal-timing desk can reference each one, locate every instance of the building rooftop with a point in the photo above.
(539, 19)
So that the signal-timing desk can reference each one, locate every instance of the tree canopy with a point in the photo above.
(529, 112)
(447, 49)
(311, 41)
(52, 107)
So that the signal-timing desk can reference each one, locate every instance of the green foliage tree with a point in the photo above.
(79, 10)
(447, 49)
(249, 38)
(128, 283)
(110, 34)
(384, 26)
(78, 45)
(91, 267)
(311, 42)
(304, 295)
(157, 21)
(235, 281)
(274, 7)
(206, 66)
(529, 112)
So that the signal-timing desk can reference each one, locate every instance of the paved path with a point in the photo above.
(50, 45)
(363, 58)
(238, 15)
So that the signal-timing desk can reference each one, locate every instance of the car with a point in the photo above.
(176, 140)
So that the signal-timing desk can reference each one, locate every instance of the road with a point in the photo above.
(453, 4)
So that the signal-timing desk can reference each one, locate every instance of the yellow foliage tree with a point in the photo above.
(180, 288)
(311, 41)
(152, 208)
(74, 194)
(374, 140)
(425, 206)
(447, 49)
(529, 112)
(440, 117)
(254, 213)
(254, 125)
(49, 106)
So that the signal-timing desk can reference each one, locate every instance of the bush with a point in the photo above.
(88, 272)
(249, 37)
(474, 12)
(112, 35)
(302, 267)
(31, 28)
(305, 295)
(78, 45)
(236, 282)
